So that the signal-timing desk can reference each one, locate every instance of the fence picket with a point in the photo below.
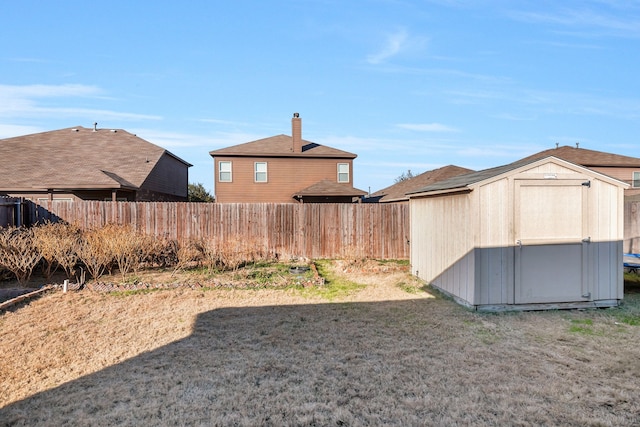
(310, 230)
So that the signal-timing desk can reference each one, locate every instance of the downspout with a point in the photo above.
(18, 220)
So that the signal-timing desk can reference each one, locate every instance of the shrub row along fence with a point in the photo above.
(379, 231)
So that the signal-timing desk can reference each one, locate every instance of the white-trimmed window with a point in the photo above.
(260, 169)
(224, 171)
(343, 172)
(636, 180)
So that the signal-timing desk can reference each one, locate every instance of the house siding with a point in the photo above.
(622, 174)
(285, 176)
(167, 181)
(77, 195)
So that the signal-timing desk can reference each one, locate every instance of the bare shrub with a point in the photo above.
(128, 247)
(18, 252)
(233, 253)
(68, 239)
(58, 243)
(5, 274)
(163, 253)
(187, 253)
(95, 252)
(353, 256)
(209, 251)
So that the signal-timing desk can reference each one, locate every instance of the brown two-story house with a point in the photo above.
(284, 169)
(623, 168)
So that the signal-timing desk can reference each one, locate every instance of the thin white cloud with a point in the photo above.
(534, 103)
(598, 20)
(427, 127)
(395, 44)
(25, 101)
(47, 91)
(401, 166)
(96, 114)
(206, 142)
(9, 131)
(355, 144)
(223, 122)
(24, 59)
(513, 117)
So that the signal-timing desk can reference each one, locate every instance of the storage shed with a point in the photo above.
(525, 236)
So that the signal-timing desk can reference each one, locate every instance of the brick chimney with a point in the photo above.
(296, 133)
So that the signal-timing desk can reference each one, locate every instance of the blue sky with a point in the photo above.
(404, 84)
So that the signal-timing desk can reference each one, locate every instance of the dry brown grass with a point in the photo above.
(386, 354)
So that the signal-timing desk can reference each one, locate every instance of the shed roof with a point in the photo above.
(78, 158)
(398, 192)
(466, 181)
(280, 146)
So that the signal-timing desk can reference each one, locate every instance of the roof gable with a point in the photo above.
(588, 158)
(78, 158)
(329, 188)
(280, 146)
(398, 191)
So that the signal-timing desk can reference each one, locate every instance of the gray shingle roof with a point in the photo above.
(398, 191)
(464, 180)
(77, 158)
(329, 188)
(278, 146)
(587, 158)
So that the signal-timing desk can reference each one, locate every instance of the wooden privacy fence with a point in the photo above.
(631, 227)
(379, 231)
(11, 211)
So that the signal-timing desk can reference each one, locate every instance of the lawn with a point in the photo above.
(371, 347)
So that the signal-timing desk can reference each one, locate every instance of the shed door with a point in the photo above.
(551, 240)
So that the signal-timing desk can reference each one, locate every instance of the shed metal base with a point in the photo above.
(549, 306)
(605, 303)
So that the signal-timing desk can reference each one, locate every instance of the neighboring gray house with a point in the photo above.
(90, 164)
(533, 234)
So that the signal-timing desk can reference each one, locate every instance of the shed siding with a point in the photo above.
(494, 248)
(495, 217)
(606, 281)
(442, 237)
(465, 244)
(606, 250)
